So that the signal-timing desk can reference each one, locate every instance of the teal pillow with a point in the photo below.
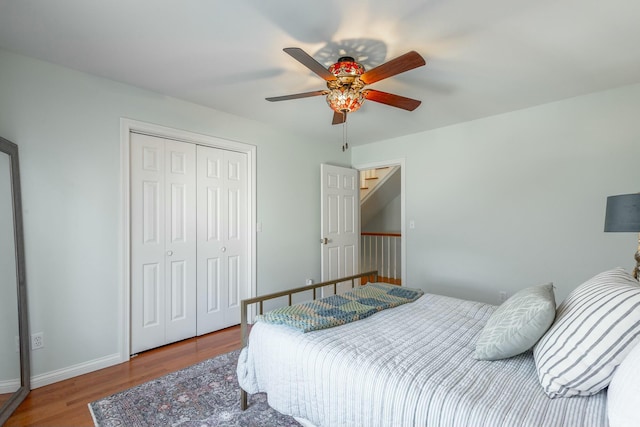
(518, 324)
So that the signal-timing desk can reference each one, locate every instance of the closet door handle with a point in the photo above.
(169, 253)
(223, 249)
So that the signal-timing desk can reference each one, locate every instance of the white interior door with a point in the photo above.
(222, 237)
(163, 241)
(340, 223)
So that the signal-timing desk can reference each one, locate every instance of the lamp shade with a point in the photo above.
(344, 99)
(623, 213)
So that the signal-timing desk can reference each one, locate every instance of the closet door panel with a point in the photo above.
(147, 243)
(222, 183)
(235, 173)
(180, 246)
(211, 250)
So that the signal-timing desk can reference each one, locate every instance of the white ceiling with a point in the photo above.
(483, 57)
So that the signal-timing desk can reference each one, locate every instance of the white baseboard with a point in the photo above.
(9, 386)
(75, 370)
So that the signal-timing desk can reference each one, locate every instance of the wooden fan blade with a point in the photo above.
(339, 118)
(297, 95)
(406, 62)
(307, 60)
(391, 99)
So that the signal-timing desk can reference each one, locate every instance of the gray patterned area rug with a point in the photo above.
(202, 395)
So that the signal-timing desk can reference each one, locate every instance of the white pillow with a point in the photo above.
(595, 328)
(623, 398)
(517, 324)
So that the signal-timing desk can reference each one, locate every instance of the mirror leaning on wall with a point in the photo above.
(14, 331)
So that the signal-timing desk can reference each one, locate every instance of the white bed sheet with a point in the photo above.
(407, 366)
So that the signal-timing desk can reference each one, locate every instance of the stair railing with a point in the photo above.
(382, 252)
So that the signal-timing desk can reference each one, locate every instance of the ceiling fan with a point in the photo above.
(346, 81)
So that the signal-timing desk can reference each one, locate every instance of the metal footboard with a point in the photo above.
(372, 276)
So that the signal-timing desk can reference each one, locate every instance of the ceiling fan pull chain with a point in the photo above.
(345, 145)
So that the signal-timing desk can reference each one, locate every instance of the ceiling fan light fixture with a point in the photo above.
(345, 99)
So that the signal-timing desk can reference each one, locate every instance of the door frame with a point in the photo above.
(126, 127)
(403, 242)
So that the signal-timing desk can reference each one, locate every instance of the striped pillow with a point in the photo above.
(595, 328)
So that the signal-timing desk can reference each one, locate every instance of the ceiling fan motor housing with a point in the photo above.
(346, 68)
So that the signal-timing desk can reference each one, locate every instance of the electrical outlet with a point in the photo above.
(502, 297)
(37, 340)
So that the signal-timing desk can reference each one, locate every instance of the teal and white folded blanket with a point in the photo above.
(337, 310)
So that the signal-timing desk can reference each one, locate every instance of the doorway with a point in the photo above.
(382, 225)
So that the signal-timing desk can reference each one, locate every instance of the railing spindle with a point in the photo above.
(395, 260)
(388, 256)
(382, 256)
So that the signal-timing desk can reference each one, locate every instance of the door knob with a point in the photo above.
(324, 241)
(169, 253)
(223, 249)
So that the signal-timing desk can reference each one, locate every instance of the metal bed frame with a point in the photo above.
(244, 326)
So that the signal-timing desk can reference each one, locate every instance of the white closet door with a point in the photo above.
(222, 237)
(180, 246)
(163, 234)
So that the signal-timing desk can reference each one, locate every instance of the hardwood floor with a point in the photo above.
(65, 403)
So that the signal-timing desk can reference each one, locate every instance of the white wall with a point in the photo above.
(388, 220)
(67, 126)
(518, 199)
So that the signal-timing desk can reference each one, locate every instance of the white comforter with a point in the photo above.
(406, 366)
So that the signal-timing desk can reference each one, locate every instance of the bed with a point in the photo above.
(411, 365)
